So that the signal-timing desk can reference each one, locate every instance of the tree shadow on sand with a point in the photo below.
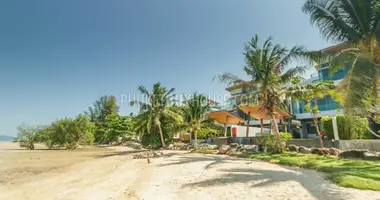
(261, 178)
(214, 160)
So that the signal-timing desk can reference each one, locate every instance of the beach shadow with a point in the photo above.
(213, 159)
(120, 153)
(256, 178)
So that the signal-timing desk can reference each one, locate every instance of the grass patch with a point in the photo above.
(205, 151)
(358, 174)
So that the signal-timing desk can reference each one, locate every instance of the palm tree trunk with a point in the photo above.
(196, 139)
(161, 135)
(275, 126)
(318, 131)
(285, 126)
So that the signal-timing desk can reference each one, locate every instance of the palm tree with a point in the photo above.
(310, 94)
(265, 65)
(194, 111)
(155, 108)
(355, 24)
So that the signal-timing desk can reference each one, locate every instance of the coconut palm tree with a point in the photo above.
(266, 65)
(356, 25)
(194, 112)
(155, 107)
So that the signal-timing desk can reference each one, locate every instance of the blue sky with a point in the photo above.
(58, 57)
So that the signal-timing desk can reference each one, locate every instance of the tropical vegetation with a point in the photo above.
(155, 108)
(310, 94)
(349, 127)
(355, 24)
(266, 65)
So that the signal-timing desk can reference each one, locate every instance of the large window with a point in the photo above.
(324, 73)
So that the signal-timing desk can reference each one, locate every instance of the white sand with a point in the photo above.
(179, 176)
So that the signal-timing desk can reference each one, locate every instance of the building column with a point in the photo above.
(249, 119)
(335, 128)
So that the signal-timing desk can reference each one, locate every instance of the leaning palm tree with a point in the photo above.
(155, 107)
(194, 112)
(356, 25)
(265, 65)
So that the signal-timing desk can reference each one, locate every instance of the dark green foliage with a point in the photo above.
(156, 110)
(274, 143)
(206, 132)
(70, 132)
(115, 127)
(349, 127)
(103, 107)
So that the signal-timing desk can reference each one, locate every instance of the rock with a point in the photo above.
(370, 156)
(293, 148)
(251, 148)
(304, 150)
(354, 153)
(334, 151)
(224, 149)
(234, 144)
(212, 146)
(147, 154)
(320, 151)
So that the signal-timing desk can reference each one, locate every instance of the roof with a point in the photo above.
(259, 112)
(212, 102)
(223, 116)
(238, 85)
(335, 48)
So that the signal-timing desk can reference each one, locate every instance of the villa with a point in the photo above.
(301, 125)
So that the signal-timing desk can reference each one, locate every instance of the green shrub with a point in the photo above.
(272, 142)
(349, 127)
(153, 140)
(203, 133)
(70, 132)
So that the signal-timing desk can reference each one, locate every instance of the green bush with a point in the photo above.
(70, 132)
(203, 133)
(273, 143)
(349, 127)
(153, 140)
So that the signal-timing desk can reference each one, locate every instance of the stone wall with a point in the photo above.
(372, 145)
(310, 143)
(241, 140)
(222, 141)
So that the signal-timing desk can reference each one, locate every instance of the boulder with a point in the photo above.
(224, 149)
(147, 154)
(233, 145)
(304, 150)
(370, 156)
(250, 148)
(354, 153)
(334, 151)
(320, 151)
(293, 148)
(213, 146)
